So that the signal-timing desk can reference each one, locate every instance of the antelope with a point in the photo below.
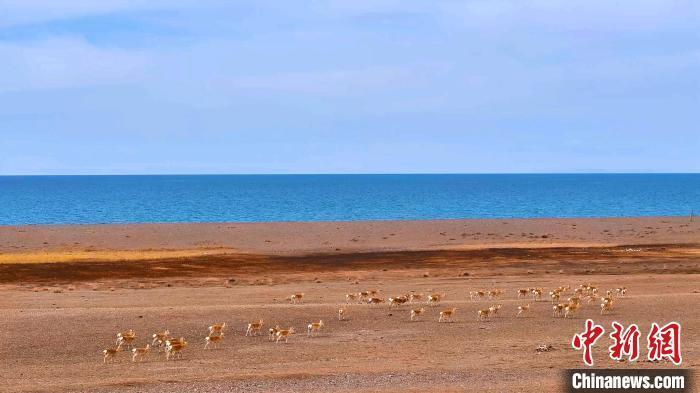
(494, 293)
(314, 327)
(126, 337)
(297, 298)
(621, 291)
(351, 297)
(416, 312)
(174, 346)
(284, 333)
(523, 292)
(254, 328)
(435, 298)
(415, 297)
(140, 353)
(397, 301)
(555, 295)
(558, 310)
(111, 353)
(373, 292)
(606, 307)
(494, 309)
(214, 340)
(537, 294)
(375, 300)
(160, 337)
(446, 315)
(363, 295)
(574, 300)
(570, 309)
(217, 328)
(523, 309)
(477, 295)
(578, 291)
(483, 314)
(273, 332)
(341, 314)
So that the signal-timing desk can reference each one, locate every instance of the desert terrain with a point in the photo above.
(65, 291)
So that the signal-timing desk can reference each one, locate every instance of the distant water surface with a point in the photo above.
(256, 198)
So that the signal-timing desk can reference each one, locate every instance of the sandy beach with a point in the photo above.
(67, 290)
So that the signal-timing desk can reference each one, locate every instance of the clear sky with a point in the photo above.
(358, 86)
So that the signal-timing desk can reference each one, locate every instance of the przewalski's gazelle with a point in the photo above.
(523, 309)
(352, 298)
(314, 328)
(284, 334)
(571, 309)
(254, 328)
(558, 310)
(174, 346)
(415, 297)
(446, 315)
(537, 294)
(495, 309)
(494, 293)
(213, 340)
(523, 292)
(297, 298)
(341, 314)
(416, 312)
(483, 314)
(217, 328)
(621, 291)
(126, 337)
(478, 295)
(111, 353)
(605, 307)
(272, 332)
(160, 337)
(140, 353)
(435, 298)
(397, 301)
(375, 300)
(555, 296)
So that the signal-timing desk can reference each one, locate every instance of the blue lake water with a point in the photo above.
(255, 198)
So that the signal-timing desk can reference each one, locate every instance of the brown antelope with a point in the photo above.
(537, 294)
(217, 328)
(483, 314)
(111, 353)
(273, 332)
(341, 314)
(160, 337)
(495, 309)
(523, 292)
(173, 347)
(621, 291)
(373, 292)
(415, 297)
(375, 300)
(555, 295)
(140, 353)
(254, 328)
(494, 293)
(297, 298)
(476, 295)
(213, 340)
(606, 307)
(523, 309)
(558, 310)
(574, 300)
(126, 337)
(571, 309)
(416, 312)
(446, 315)
(364, 295)
(284, 333)
(351, 298)
(397, 301)
(435, 298)
(314, 328)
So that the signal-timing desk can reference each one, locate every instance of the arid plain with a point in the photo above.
(67, 290)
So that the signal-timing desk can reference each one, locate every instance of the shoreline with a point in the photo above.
(46, 243)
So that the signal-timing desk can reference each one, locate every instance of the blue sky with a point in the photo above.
(362, 86)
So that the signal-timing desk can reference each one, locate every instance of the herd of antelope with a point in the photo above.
(585, 293)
